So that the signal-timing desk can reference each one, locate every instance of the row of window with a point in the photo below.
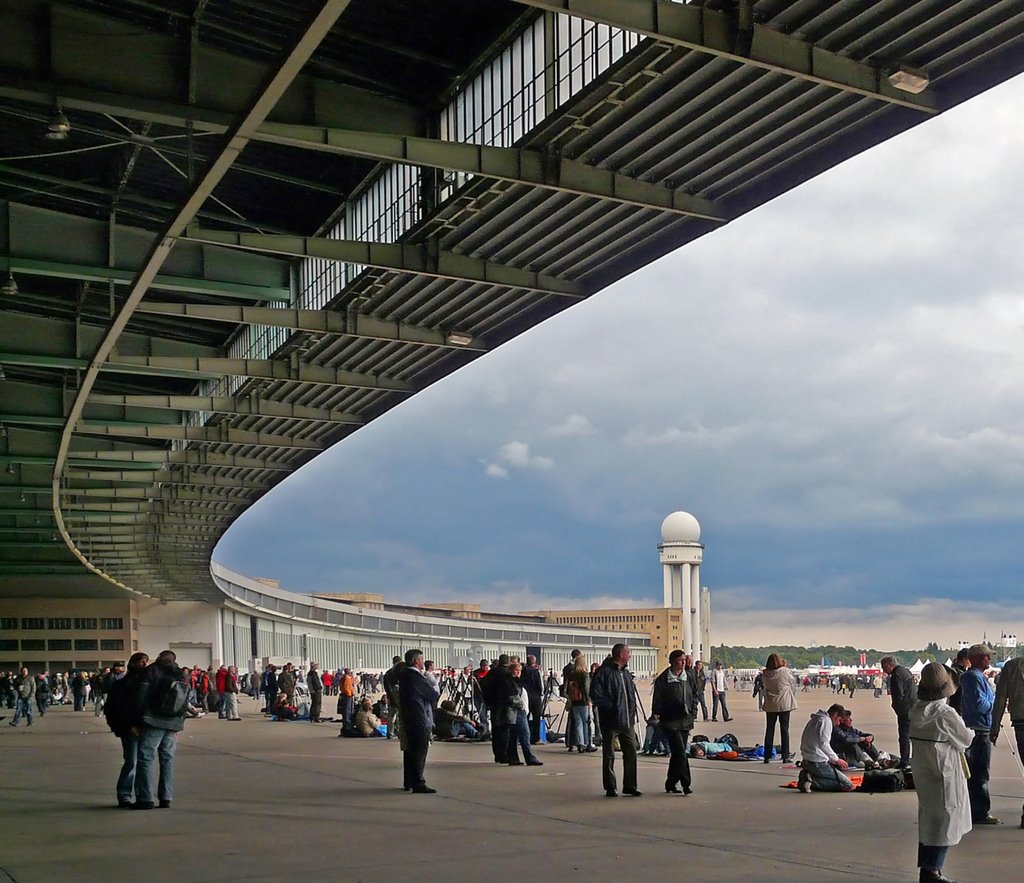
(62, 623)
(62, 644)
(614, 620)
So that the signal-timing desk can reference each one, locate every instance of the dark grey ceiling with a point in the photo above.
(213, 141)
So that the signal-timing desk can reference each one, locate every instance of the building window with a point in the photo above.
(135, 649)
(8, 644)
(135, 625)
(61, 623)
(112, 644)
(114, 624)
(33, 622)
(86, 644)
(89, 623)
(8, 623)
(59, 644)
(33, 644)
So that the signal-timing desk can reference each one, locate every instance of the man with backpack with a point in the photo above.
(160, 715)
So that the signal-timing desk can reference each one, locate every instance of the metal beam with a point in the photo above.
(118, 459)
(42, 57)
(713, 32)
(222, 434)
(516, 165)
(166, 477)
(265, 369)
(420, 260)
(314, 321)
(246, 407)
(163, 281)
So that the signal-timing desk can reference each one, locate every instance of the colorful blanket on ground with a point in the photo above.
(855, 779)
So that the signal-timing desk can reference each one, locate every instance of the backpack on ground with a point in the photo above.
(169, 697)
(882, 781)
(731, 739)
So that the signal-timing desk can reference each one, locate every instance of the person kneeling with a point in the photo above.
(820, 767)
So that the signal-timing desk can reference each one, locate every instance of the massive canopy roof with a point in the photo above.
(232, 233)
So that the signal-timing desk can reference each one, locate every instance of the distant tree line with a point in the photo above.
(808, 657)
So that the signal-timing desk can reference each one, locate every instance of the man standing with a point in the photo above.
(532, 682)
(719, 687)
(316, 692)
(417, 700)
(820, 766)
(24, 693)
(499, 690)
(700, 681)
(977, 699)
(1010, 694)
(269, 686)
(160, 716)
(286, 683)
(903, 691)
(220, 687)
(614, 696)
(229, 694)
(567, 671)
(673, 705)
(346, 697)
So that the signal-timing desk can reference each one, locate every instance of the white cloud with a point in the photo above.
(517, 454)
(574, 426)
(493, 470)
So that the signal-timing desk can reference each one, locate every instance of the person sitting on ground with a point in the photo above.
(282, 711)
(366, 722)
(820, 766)
(854, 746)
(449, 724)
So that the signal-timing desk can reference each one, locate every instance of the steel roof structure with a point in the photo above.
(170, 170)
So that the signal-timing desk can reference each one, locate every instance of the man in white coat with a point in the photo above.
(940, 738)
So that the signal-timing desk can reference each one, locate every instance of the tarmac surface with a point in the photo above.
(267, 801)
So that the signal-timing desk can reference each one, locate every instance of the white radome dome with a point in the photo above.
(680, 527)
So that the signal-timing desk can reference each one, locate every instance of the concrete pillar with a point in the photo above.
(694, 593)
(667, 571)
(683, 604)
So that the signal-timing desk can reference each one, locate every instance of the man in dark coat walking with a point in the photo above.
(673, 705)
(614, 696)
(417, 699)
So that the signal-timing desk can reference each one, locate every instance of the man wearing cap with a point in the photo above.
(903, 691)
(977, 699)
(1010, 694)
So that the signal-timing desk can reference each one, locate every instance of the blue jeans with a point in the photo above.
(716, 700)
(155, 741)
(933, 857)
(22, 707)
(825, 777)
(581, 723)
(520, 733)
(126, 779)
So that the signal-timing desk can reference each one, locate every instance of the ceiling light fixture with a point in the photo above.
(458, 338)
(10, 285)
(908, 79)
(58, 128)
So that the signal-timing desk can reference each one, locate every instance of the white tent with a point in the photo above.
(918, 667)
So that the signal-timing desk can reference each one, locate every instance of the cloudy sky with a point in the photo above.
(833, 385)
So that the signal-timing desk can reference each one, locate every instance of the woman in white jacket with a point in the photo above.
(940, 737)
(779, 685)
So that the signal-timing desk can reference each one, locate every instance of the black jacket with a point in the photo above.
(614, 696)
(533, 683)
(122, 703)
(416, 698)
(499, 688)
(154, 680)
(903, 689)
(673, 702)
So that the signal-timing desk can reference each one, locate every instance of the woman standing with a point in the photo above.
(779, 687)
(940, 738)
(577, 694)
(121, 712)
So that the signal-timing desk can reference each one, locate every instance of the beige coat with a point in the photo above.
(940, 737)
(779, 689)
